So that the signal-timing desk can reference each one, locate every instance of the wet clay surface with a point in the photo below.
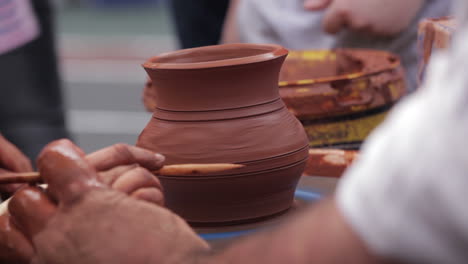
(324, 84)
(320, 64)
(221, 104)
(216, 85)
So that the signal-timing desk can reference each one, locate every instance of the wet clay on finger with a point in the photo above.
(64, 167)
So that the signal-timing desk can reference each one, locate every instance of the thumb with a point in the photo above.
(315, 5)
(64, 167)
(31, 209)
(335, 20)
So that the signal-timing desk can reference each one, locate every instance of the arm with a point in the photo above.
(320, 235)
(378, 17)
(230, 31)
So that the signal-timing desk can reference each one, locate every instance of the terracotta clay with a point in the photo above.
(342, 80)
(220, 104)
(329, 162)
(149, 96)
(434, 34)
(341, 95)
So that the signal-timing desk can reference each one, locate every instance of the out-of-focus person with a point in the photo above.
(198, 23)
(31, 108)
(306, 24)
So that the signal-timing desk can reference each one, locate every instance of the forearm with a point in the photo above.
(230, 32)
(319, 235)
(380, 18)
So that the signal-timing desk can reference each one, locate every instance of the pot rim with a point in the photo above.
(392, 65)
(272, 51)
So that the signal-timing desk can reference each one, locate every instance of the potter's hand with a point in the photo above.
(379, 17)
(11, 160)
(93, 223)
(14, 247)
(127, 169)
(122, 167)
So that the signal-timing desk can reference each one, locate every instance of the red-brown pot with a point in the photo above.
(341, 95)
(220, 104)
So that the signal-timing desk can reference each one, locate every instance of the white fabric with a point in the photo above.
(18, 25)
(407, 195)
(283, 22)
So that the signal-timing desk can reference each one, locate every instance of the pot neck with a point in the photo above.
(216, 89)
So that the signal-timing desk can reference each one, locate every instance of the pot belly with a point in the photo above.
(232, 199)
(273, 146)
(239, 140)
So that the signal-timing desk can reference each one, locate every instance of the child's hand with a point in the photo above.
(379, 17)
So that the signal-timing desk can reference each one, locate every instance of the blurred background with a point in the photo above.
(102, 44)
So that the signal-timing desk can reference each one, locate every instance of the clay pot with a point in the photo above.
(340, 96)
(220, 104)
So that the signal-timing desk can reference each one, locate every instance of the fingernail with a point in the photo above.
(315, 4)
(160, 157)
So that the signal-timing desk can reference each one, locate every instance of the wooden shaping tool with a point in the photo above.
(168, 170)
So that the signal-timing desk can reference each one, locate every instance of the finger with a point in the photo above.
(151, 195)
(335, 20)
(136, 179)
(109, 177)
(31, 209)
(7, 189)
(12, 158)
(63, 166)
(122, 154)
(14, 247)
(315, 5)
